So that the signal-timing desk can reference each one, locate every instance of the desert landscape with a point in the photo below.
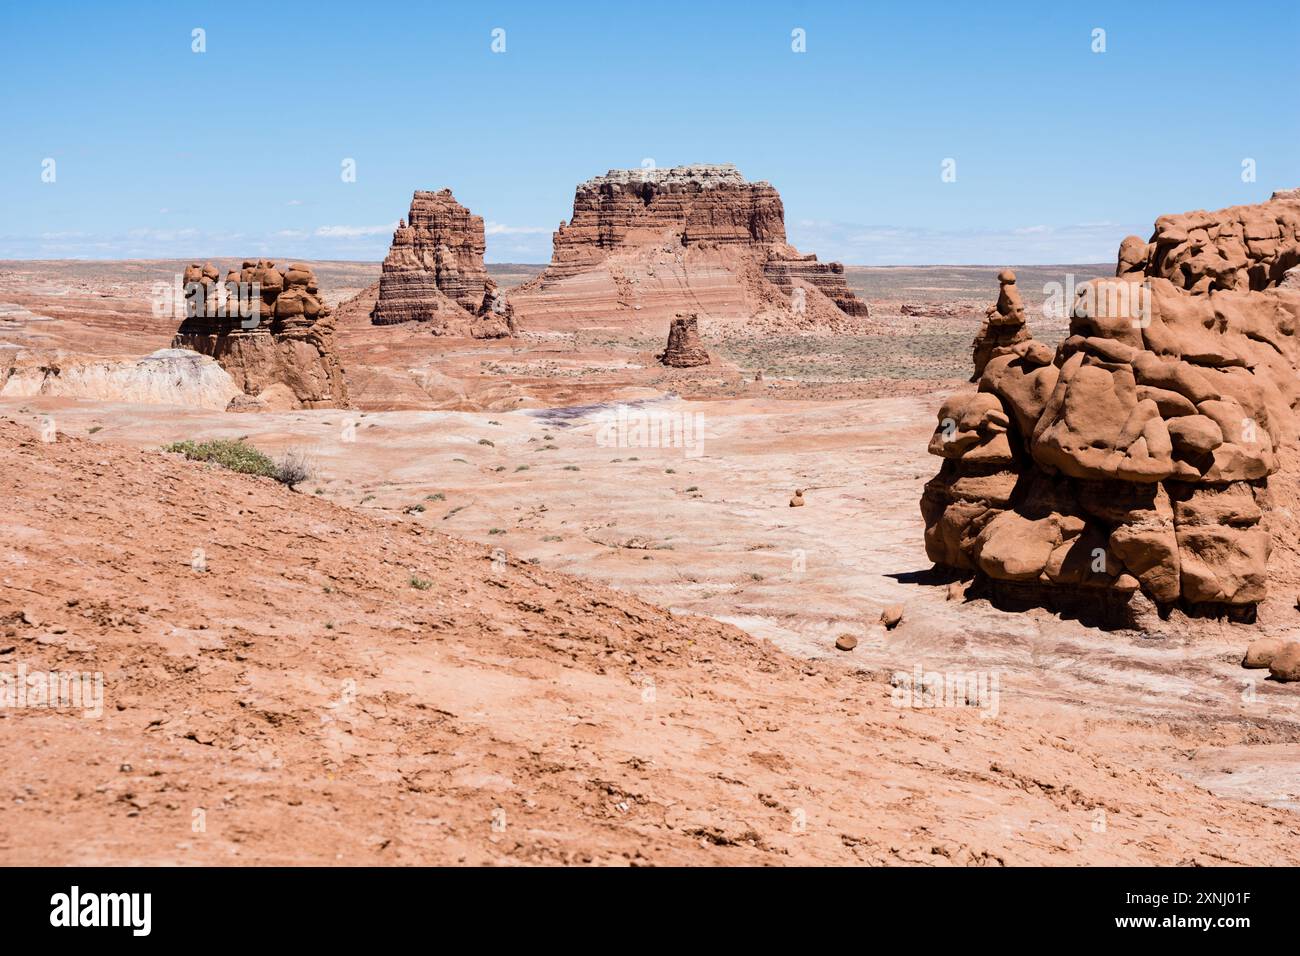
(639, 556)
(444, 441)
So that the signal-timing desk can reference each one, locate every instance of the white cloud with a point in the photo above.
(500, 229)
(1037, 244)
(353, 232)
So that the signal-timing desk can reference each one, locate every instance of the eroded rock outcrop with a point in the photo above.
(270, 329)
(1134, 459)
(685, 350)
(644, 243)
(166, 377)
(434, 273)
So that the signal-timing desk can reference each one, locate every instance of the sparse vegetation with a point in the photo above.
(572, 468)
(496, 531)
(436, 496)
(488, 442)
(522, 468)
(292, 468)
(94, 428)
(234, 455)
(413, 509)
(419, 583)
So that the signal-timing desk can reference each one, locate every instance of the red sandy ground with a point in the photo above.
(505, 714)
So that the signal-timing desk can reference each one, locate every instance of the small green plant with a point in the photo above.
(367, 498)
(522, 468)
(499, 468)
(329, 625)
(419, 583)
(436, 496)
(488, 442)
(496, 531)
(319, 491)
(413, 509)
(670, 471)
(551, 537)
(235, 455)
(572, 468)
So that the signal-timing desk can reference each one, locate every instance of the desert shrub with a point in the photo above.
(235, 455)
(419, 583)
(294, 466)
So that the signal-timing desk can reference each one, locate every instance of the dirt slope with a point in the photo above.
(317, 707)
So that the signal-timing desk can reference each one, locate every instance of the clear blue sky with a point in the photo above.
(163, 152)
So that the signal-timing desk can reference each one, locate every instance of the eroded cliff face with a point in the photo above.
(434, 272)
(645, 244)
(271, 331)
(1129, 469)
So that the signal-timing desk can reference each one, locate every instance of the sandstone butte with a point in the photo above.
(1127, 471)
(282, 355)
(434, 273)
(645, 244)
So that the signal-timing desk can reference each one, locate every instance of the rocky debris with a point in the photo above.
(1133, 460)
(1004, 325)
(273, 328)
(685, 350)
(165, 377)
(694, 220)
(846, 642)
(932, 310)
(797, 501)
(434, 273)
(1260, 653)
(892, 616)
(1285, 665)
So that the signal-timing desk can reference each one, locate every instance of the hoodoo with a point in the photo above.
(684, 348)
(273, 332)
(1132, 465)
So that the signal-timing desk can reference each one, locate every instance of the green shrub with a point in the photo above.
(235, 455)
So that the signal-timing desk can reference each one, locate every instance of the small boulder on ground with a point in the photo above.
(1261, 652)
(846, 642)
(797, 501)
(1285, 665)
(892, 616)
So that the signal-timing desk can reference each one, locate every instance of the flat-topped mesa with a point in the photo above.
(684, 205)
(684, 350)
(1129, 471)
(687, 222)
(272, 332)
(434, 272)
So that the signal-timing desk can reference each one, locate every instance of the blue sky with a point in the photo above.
(163, 152)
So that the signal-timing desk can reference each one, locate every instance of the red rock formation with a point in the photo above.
(1004, 324)
(1135, 460)
(685, 350)
(653, 241)
(273, 333)
(434, 272)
